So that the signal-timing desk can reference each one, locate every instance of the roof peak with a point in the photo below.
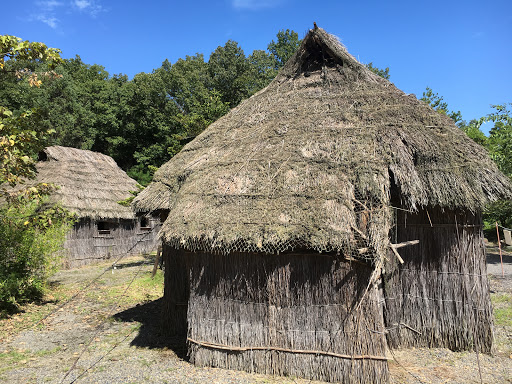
(320, 50)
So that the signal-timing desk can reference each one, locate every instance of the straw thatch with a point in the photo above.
(90, 184)
(285, 166)
(325, 159)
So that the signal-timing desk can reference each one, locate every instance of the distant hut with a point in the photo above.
(289, 219)
(91, 184)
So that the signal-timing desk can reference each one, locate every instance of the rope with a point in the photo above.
(92, 282)
(98, 330)
(502, 227)
(279, 349)
(102, 357)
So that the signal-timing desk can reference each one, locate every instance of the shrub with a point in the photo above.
(31, 234)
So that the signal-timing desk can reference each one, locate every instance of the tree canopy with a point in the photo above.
(141, 122)
(30, 232)
(20, 132)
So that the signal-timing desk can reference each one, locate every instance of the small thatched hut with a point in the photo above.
(91, 184)
(289, 218)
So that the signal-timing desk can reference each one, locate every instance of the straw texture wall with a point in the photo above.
(176, 291)
(85, 244)
(299, 314)
(440, 295)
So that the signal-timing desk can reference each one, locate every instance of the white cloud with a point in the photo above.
(91, 7)
(51, 21)
(46, 11)
(82, 4)
(49, 4)
(255, 4)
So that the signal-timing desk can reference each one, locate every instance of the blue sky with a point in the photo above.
(461, 49)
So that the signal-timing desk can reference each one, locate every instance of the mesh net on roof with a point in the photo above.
(311, 160)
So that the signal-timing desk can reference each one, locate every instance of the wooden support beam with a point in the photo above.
(394, 248)
(405, 244)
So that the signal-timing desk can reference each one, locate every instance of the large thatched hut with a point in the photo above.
(328, 216)
(91, 184)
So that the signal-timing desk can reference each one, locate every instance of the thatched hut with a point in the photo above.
(290, 217)
(91, 184)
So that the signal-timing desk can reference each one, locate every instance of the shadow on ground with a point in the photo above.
(8, 309)
(134, 264)
(493, 257)
(150, 335)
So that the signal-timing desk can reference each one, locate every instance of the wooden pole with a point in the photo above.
(501, 256)
(157, 259)
(394, 248)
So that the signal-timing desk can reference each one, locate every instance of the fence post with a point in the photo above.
(501, 256)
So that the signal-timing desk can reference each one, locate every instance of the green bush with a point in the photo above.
(31, 235)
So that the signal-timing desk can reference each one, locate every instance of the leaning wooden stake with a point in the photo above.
(501, 256)
(157, 259)
(394, 248)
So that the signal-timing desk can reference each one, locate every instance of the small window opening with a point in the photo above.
(42, 156)
(103, 228)
(144, 223)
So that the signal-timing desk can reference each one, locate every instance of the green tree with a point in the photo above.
(281, 50)
(20, 136)
(190, 86)
(31, 235)
(262, 70)
(384, 73)
(499, 143)
(30, 231)
(472, 129)
(149, 124)
(437, 103)
(229, 70)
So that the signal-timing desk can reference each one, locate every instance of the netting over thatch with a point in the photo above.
(90, 183)
(331, 158)
(310, 160)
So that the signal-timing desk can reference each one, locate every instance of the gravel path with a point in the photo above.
(127, 347)
(494, 267)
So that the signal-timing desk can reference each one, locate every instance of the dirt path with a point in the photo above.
(117, 338)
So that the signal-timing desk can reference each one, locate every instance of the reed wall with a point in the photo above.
(439, 297)
(302, 314)
(176, 291)
(86, 243)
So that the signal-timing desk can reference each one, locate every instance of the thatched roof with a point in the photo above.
(294, 164)
(90, 183)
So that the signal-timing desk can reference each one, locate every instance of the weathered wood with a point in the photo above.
(300, 351)
(400, 245)
(405, 244)
(157, 259)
